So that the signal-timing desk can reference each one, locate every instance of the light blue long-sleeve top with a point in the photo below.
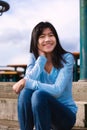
(58, 82)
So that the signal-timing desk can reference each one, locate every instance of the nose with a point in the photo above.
(47, 38)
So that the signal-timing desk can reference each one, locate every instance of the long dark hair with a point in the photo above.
(57, 52)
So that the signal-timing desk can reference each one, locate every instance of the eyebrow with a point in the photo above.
(48, 33)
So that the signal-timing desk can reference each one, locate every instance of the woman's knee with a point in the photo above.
(38, 98)
(25, 95)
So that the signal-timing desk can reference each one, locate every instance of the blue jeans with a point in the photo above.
(40, 109)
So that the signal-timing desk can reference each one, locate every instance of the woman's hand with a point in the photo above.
(19, 86)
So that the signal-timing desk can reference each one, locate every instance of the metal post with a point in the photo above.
(83, 40)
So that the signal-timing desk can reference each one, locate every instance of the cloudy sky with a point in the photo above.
(16, 26)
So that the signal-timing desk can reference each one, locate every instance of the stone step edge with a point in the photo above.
(14, 124)
(9, 123)
(79, 90)
(12, 114)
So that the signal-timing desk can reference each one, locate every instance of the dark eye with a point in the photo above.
(41, 36)
(51, 34)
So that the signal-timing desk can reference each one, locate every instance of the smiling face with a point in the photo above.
(46, 41)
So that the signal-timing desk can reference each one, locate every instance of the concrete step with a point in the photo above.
(8, 111)
(81, 120)
(6, 90)
(79, 90)
(9, 125)
(13, 125)
(8, 103)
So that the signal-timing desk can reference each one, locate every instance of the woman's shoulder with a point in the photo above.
(68, 57)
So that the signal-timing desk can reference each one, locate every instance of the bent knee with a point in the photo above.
(38, 98)
(25, 95)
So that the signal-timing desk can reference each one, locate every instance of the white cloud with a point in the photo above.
(16, 25)
(20, 59)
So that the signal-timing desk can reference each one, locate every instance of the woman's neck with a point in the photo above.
(49, 65)
(49, 59)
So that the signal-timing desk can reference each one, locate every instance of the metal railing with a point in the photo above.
(76, 69)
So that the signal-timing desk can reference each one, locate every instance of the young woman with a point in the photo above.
(45, 93)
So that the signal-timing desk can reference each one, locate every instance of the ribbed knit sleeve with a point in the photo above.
(35, 67)
(62, 81)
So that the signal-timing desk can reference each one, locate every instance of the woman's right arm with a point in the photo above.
(35, 67)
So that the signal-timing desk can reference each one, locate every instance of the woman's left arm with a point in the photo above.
(61, 82)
